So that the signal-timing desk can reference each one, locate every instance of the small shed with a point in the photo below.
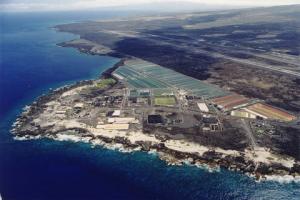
(116, 113)
(203, 107)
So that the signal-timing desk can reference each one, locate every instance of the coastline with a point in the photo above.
(43, 168)
(173, 152)
(253, 162)
(169, 159)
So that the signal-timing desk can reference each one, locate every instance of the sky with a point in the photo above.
(59, 5)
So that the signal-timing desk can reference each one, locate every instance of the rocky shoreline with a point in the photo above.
(88, 47)
(210, 159)
(25, 128)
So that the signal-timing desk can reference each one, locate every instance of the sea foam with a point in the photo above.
(282, 179)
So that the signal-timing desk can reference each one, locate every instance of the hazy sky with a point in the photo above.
(42, 5)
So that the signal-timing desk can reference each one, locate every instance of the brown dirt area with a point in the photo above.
(275, 88)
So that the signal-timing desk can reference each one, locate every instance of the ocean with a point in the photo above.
(31, 64)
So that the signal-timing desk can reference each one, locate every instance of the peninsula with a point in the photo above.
(187, 97)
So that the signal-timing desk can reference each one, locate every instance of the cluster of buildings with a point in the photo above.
(144, 78)
(115, 121)
(240, 106)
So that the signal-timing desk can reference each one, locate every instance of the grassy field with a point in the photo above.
(105, 82)
(164, 101)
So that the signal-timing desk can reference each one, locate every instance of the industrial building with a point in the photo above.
(210, 123)
(203, 107)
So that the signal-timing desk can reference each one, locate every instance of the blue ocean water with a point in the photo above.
(30, 64)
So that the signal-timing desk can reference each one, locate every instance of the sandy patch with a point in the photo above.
(188, 147)
(74, 91)
(262, 155)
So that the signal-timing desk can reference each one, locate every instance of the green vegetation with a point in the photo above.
(164, 101)
(106, 82)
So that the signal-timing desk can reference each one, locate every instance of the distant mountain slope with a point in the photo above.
(176, 6)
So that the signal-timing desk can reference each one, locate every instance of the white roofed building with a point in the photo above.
(116, 113)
